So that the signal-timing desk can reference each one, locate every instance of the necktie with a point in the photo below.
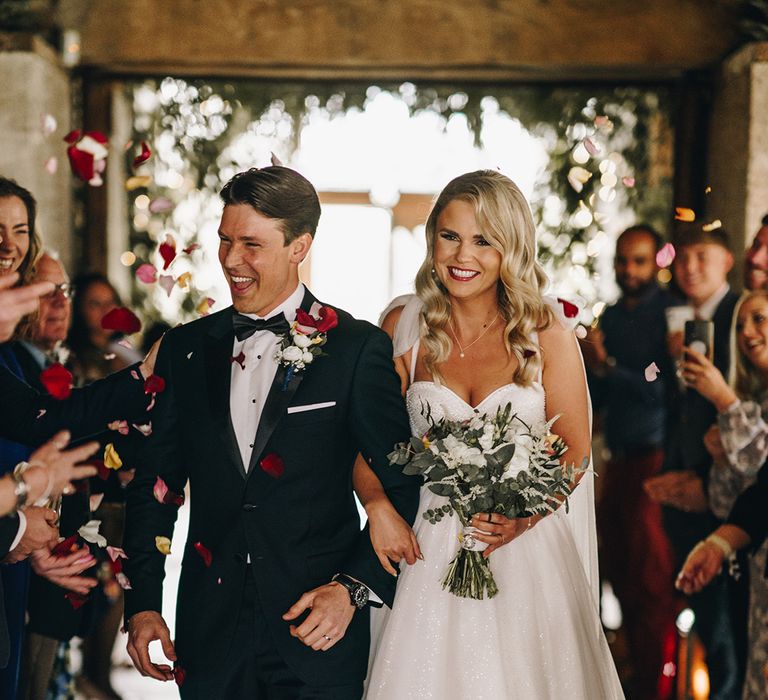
(245, 327)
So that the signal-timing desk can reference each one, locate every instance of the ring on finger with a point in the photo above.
(490, 517)
(327, 638)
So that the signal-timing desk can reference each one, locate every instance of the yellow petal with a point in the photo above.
(683, 214)
(203, 308)
(111, 458)
(137, 181)
(163, 545)
(183, 280)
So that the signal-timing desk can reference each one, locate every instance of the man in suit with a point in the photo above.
(276, 573)
(756, 259)
(702, 262)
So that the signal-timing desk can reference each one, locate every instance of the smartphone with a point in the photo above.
(700, 336)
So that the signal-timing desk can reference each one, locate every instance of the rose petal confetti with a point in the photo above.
(183, 279)
(101, 470)
(120, 425)
(628, 181)
(154, 384)
(592, 148)
(274, 159)
(48, 124)
(167, 283)
(41, 413)
(146, 273)
(684, 214)
(581, 332)
(651, 372)
(122, 320)
(87, 154)
(179, 674)
(76, 600)
(125, 343)
(143, 157)
(66, 546)
(570, 310)
(160, 205)
(240, 359)
(134, 374)
(666, 255)
(712, 225)
(94, 501)
(144, 428)
(137, 182)
(204, 307)
(167, 251)
(116, 553)
(189, 249)
(164, 495)
(110, 356)
(122, 579)
(163, 545)
(578, 177)
(57, 381)
(51, 165)
(90, 533)
(204, 552)
(273, 465)
(189, 355)
(111, 458)
(152, 402)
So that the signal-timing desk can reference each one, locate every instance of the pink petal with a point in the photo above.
(51, 165)
(116, 553)
(160, 490)
(651, 372)
(146, 273)
(167, 283)
(134, 374)
(120, 425)
(666, 255)
(160, 205)
(145, 429)
(592, 148)
(628, 181)
(95, 500)
(122, 579)
(41, 413)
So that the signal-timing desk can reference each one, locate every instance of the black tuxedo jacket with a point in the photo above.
(691, 417)
(299, 529)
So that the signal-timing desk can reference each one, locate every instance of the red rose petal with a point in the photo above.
(82, 163)
(143, 157)
(569, 310)
(73, 136)
(57, 380)
(328, 319)
(76, 600)
(273, 465)
(240, 359)
(66, 546)
(167, 253)
(154, 384)
(204, 552)
(191, 248)
(179, 674)
(304, 319)
(122, 320)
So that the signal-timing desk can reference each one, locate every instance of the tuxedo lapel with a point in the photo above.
(218, 361)
(278, 399)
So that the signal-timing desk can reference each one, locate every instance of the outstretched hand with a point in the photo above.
(331, 613)
(702, 565)
(143, 628)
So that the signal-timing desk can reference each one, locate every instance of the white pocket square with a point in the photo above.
(311, 407)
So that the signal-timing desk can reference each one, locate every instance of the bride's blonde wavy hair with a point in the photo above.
(505, 220)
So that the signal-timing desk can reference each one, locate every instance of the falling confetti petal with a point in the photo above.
(163, 545)
(578, 177)
(48, 124)
(189, 354)
(240, 359)
(137, 182)
(204, 307)
(666, 255)
(275, 160)
(204, 552)
(87, 155)
(111, 458)
(41, 413)
(146, 273)
(273, 465)
(712, 226)
(94, 501)
(167, 283)
(134, 374)
(116, 553)
(183, 279)
(57, 380)
(143, 157)
(66, 546)
(189, 249)
(164, 495)
(160, 205)
(684, 214)
(581, 332)
(628, 181)
(145, 428)
(167, 251)
(90, 533)
(122, 579)
(651, 372)
(570, 310)
(179, 674)
(76, 600)
(110, 356)
(51, 165)
(592, 148)
(154, 384)
(122, 320)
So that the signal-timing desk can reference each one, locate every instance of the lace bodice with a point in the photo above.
(527, 402)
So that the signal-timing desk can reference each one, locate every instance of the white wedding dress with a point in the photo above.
(539, 638)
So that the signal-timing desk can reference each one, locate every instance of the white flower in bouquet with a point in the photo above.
(307, 357)
(302, 341)
(292, 354)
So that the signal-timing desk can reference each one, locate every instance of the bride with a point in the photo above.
(478, 335)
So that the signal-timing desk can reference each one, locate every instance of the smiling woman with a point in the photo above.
(19, 243)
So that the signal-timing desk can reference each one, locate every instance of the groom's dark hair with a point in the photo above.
(277, 193)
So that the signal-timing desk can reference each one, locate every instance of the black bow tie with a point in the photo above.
(245, 327)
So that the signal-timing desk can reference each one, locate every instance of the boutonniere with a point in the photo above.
(305, 339)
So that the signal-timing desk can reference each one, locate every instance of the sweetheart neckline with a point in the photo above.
(466, 403)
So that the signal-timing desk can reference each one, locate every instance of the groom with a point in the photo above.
(276, 574)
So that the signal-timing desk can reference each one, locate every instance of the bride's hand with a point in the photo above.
(391, 537)
(496, 529)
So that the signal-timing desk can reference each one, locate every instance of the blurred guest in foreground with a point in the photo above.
(741, 450)
(636, 556)
(756, 259)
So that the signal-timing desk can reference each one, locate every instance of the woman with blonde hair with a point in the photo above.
(738, 479)
(477, 335)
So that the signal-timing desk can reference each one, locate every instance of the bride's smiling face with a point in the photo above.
(465, 262)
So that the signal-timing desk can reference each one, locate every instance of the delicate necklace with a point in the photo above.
(462, 350)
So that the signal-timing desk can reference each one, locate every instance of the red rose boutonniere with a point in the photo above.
(303, 343)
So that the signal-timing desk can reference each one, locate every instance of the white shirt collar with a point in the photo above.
(707, 310)
(287, 308)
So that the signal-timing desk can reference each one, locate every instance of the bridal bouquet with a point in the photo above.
(493, 463)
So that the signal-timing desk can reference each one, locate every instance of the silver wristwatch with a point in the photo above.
(358, 592)
(21, 489)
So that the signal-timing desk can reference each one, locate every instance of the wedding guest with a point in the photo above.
(743, 444)
(701, 266)
(756, 259)
(17, 302)
(636, 556)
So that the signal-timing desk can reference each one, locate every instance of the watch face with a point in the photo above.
(360, 596)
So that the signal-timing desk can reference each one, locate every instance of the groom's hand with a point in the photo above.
(331, 614)
(143, 628)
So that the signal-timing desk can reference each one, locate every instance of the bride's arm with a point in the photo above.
(391, 536)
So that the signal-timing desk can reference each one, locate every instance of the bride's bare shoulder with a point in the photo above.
(389, 322)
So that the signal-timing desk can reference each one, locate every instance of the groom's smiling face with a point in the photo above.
(262, 271)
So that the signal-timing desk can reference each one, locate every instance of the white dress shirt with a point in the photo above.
(250, 383)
